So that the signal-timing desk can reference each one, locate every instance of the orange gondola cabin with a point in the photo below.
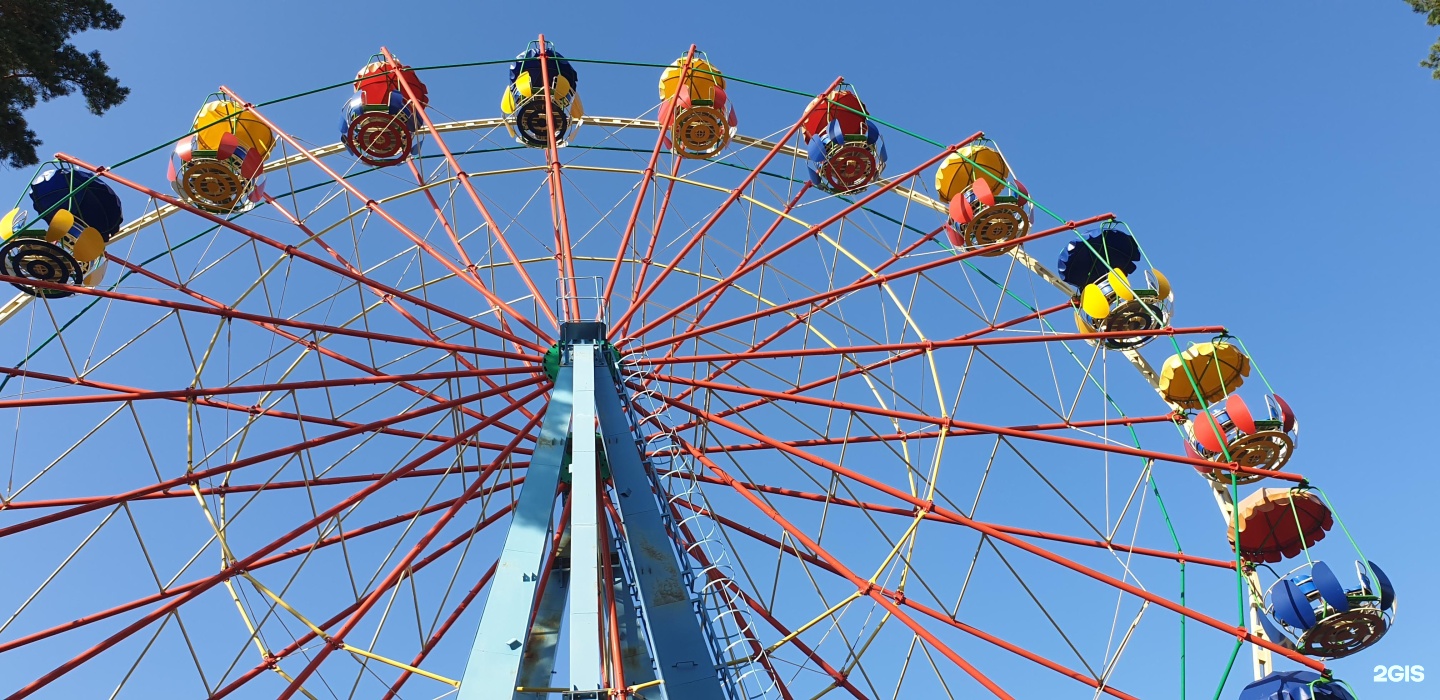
(696, 113)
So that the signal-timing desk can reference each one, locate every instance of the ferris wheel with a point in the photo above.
(544, 403)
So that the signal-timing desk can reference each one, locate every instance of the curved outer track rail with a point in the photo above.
(1261, 657)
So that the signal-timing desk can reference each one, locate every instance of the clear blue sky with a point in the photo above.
(1281, 158)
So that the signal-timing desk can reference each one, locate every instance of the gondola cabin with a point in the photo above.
(1100, 265)
(1203, 374)
(531, 106)
(217, 168)
(987, 204)
(77, 214)
(1233, 431)
(1277, 524)
(380, 124)
(845, 150)
(1296, 685)
(1310, 610)
(696, 113)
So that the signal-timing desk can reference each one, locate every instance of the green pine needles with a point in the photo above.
(1431, 10)
(38, 64)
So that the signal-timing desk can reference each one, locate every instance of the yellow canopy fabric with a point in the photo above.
(7, 224)
(956, 173)
(1093, 301)
(89, 245)
(702, 82)
(1218, 368)
(97, 274)
(221, 117)
(507, 102)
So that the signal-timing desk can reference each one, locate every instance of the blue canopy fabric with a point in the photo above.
(1291, 606)
(1117, 249)
(81, 193)
(1294, 685)
(529, 62)
(1387, 589)
(1331, 591)
(355, 106)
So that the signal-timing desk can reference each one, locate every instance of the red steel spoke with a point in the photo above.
(564, 256)
(928, 506)
(243, 564)
(326, 351)
(374, 207)
(932, 434)
(310, 635)
(224, 311)
(866, 282)
(880, 363)
(198, 392)
(950, 423)
(469, 188)
(255, 410)
(388, 299)
(226, 489)
(649, 256)
(884, 362)
(439, 632)
(901, 599)
(735, 194)
(199, 475)
(939, 517)
(799, 318)
(646, 178)
(867, 588)
(401, 568)
(759, 243)
(804, 236)
(444, 223)
(295, 252)
(922, 345)
(175, 590)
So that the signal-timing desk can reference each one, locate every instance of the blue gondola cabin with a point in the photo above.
(1311, 611)
(528, 115)
(1100, 265)
(77, 216)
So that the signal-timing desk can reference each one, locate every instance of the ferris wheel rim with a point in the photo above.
(912, 195)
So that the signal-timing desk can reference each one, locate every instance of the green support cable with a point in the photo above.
(1353, 545)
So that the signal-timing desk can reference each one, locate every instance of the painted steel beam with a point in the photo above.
(544, 637)
(683, 654)
(585, 646)
(634, 645)
(494, 664)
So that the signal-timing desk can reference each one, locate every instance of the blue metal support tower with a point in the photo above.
(663, 634)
